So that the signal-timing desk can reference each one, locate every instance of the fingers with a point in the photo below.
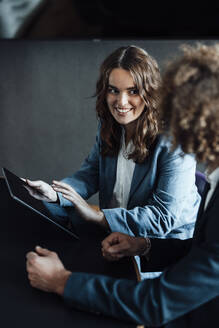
(70, 198)
(31, 256)
(39, 251)
(111, 257)
(64, 191)
(36, 184)
(67, 192)
(108, 242)
(30, 190)
(42, 251)
(108, 245)
(118, 248)
(112, 239)
(116, 252)
(62, 185)
(115, 246)
(31, 261)
(67, 195)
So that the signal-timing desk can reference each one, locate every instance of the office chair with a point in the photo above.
(200, 181)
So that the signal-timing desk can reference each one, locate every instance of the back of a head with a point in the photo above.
(190, 101)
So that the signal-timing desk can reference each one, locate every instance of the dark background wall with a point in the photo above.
(47, 113)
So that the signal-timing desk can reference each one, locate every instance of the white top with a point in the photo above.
(124, 175)
(213, 179)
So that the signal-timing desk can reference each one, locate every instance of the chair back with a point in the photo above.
(200, 181)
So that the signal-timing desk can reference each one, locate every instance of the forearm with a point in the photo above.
(150, 302)
(100, 220)
(140, 221)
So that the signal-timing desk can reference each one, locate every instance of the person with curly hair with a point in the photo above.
(145, 189)
(193, 93)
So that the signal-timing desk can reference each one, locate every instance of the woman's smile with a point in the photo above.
(123, 110)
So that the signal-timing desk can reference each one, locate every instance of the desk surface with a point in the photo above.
(21, 305)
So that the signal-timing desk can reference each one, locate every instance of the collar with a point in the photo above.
(213, 178)
(130, 147)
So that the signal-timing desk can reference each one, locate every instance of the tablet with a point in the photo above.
(17, 190)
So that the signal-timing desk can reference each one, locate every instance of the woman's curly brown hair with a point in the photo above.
(190, 102)
(146, 76)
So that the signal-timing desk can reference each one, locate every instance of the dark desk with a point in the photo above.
(21, 305)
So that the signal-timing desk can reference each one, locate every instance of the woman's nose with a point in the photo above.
(122, 99)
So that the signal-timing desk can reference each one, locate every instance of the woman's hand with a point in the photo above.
(41, 190)
(84, 209)
(118, 245)
(45, 271)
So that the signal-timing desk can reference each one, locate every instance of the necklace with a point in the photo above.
(126, 150)
(126, 153)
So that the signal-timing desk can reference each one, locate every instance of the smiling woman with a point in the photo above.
(123, 99)
(144, 188)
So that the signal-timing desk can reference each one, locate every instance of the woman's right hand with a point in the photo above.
(41, 190)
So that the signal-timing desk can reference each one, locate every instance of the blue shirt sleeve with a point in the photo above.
(86, 180)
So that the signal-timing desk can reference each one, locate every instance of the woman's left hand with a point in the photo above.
(83, 208)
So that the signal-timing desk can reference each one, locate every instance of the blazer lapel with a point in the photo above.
(201, 209)
(139, 173)
(141, 170)
(211, 201)
(110, 176)
(201, 212)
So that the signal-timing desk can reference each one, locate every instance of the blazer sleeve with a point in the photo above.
(174, 193)
(188, 284)
(164, 252)
(86, 180)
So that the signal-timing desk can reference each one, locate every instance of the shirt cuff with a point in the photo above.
(146, 252)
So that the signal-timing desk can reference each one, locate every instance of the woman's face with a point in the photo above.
(123, 99)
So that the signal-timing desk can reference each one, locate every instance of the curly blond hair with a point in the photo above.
(146, 75)
(189, 104)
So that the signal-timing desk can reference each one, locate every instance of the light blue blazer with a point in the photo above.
(163, 199)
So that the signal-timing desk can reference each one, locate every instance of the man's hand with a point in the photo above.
(118, 245)
(84, 209)
(41, 190)
(45, 271)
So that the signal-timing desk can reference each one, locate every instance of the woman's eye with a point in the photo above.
(111, 90)
(134, 92)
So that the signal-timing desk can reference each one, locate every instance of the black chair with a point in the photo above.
(200, 181)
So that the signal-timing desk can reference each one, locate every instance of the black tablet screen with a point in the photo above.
(18, 191)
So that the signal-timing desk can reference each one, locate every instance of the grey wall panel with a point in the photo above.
(47, 113)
